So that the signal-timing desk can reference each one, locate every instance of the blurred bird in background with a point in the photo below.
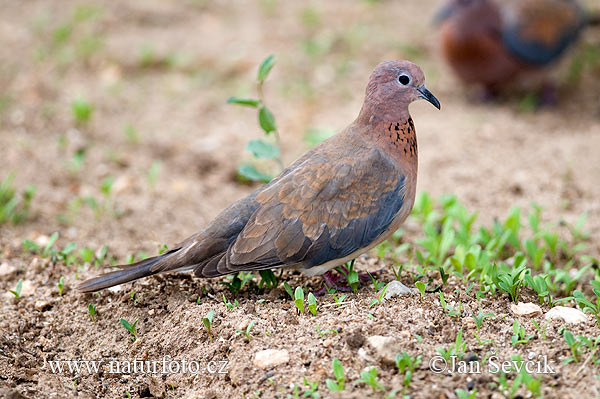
(495, 43)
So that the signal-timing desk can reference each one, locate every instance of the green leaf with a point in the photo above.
(338, 371)
(248, 102)
(266, 120)
(251, 173)
(265, 67)
(262, 149)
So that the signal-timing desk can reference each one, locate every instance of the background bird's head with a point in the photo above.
(393, 85)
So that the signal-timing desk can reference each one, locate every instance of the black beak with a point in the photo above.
(427, 95)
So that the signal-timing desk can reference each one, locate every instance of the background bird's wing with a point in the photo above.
(538, 31)
(324, 209)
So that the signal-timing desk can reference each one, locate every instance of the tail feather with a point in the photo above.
(594, 19)
(126, 274)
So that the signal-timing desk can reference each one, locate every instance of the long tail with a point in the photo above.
(594, 19)
(126, 274)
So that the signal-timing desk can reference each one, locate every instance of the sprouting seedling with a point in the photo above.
(539, 285)
(153, 174)
(511, 282)
(406, 365)
(338, 373)
(422, 287)
(288, 289)
(463, 394)
(312, 304)
(397, 272)
(370, 378)
(380, 296)
(299, 299)
(61, 286)
(267, 279)
(261, 149)
(312, 388)
(351, 275)
(573, 345)
(323, 332)
(519, 336)
(130, 327)
(207, 321)
(17, 291)
(588, 306)
(246, 332)
(106, 185)
(92, 311)
(227, 303)
(540, 329)
(339, 299)
(12, 208)
(82, 110)
(480, 317)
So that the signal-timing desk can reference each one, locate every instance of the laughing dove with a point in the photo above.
(332, 204)
(494, 42)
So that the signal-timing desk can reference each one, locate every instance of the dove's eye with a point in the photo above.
(404, 79)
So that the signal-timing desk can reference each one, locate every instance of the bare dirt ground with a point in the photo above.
(164, 70)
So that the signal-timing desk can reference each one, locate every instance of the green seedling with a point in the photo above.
(246, 332)
(82, 110)
(370, 378)
(288, 289)
(268, 279)
(512, 281)
(312, 304)
(311, 390)
(92, 311)
(405, 362)
(463, 394)
(539, 285)
(13, 209)
(397, 272)
(376, 284)
(573, 345)
(406, 365)
(588, 306)
(299, 299)
(340, 378)
(236, 282)
(519, 336)
(339, 299)
(540, 329)
(131, 134)
(207, 321)
(380, 296)
(422, 287)
(261, 149)
(153, 174)
(480, 317)
(129, 327)
(351, 275)
(227, 303)
(61, 286)
(17, 291)
(457, 350)
(323, 332)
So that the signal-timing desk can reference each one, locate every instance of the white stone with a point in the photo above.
(6, 269)
(396, 288)
(569, 315)
(385, 348)
(526, 309)
(27, 288)
(271, 358)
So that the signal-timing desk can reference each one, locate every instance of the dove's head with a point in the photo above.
(392, 87)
